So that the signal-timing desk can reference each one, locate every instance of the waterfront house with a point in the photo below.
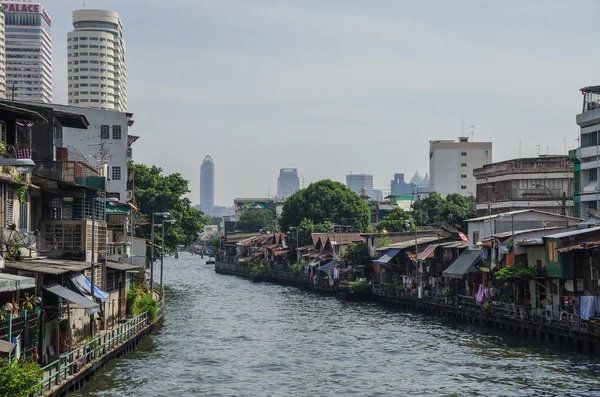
(572, 265)
(373, 240)
(484, 227)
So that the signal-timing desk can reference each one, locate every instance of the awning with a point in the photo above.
(427, 252)
(328, 266)
(10, 282)
(387, 256)
(462, 265)
(73, 297)
(84, 285)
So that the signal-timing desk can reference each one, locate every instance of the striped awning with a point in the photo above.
(427, 252)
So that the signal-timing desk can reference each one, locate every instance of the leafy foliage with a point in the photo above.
(384, 242)
(356, 254)
(29, 302)
(454, 209)
(517, 272)
(257, 269)
(324, 201)
(19, 378)
(255, 220)
(140, 300)
(156, 192)
(358, 286)
(398, 221)
(306, 228)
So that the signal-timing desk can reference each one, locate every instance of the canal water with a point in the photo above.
(225, 336)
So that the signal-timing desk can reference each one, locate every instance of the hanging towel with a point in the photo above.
(586, 307)
(479, 297)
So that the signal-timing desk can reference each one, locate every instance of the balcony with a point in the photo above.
(72, 239)
(65, 171)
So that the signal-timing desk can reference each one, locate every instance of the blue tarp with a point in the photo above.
(85, 286)
(328, 266)
(389, 254)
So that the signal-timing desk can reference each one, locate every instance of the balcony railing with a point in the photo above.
(66, 171)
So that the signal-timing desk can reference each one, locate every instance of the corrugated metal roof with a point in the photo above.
(577, 232)
(517, 232)
(581, 246)
(49, 266)
(495, 216)
(409, 243)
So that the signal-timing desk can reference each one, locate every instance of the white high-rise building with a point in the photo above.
(288, 182)
(451, 165)
(28, 46)
(356, 182)
(96, 66)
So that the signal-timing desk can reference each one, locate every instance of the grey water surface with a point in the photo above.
(226, 336)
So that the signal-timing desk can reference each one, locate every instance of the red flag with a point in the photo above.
(463, 237)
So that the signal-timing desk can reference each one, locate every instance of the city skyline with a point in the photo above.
(314, 96)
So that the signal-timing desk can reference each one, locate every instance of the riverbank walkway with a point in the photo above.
(70, 366)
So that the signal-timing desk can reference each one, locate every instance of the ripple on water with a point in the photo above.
(225, 336)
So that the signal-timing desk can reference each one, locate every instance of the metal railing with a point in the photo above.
(548, 317)
(70, 363)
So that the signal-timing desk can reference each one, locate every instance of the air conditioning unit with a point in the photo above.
(129, 195)
(593, 269)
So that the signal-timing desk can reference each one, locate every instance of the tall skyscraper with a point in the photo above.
(451, 165)
(2, 52)
(207, 185)
(288, 182)
(96, 61)
(28, 52)
(356, 182)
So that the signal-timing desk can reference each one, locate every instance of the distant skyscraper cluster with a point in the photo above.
(288, 182)
(207, 185)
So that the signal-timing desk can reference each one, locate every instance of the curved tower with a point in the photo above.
(207, 185)
(96, 61)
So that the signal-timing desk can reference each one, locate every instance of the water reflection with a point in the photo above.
(225, 336)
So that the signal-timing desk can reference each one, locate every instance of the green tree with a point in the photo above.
(19, 378)
(356, 254)
(457, 209)
(398, 221)
(305, 230)
(215, 220)
(323, 201)
(427, 210)
(255, 220)
(155, 192)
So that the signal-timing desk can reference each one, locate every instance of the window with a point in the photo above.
(552, 251)
(464, 154)
(104, 132)
(593, 174)
(10, 203)
(463, 187)
(116, 173)
(23, 215)
(475, 238)
(463, 164)
(463, 175)
(116, 132)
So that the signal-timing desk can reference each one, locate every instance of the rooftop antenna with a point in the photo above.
(269, 191)
(84, 4)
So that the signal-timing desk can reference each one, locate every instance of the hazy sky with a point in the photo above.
(338, 86)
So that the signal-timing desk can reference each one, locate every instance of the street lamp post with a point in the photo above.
(164, 215)
(162, 252)
(102, 200)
